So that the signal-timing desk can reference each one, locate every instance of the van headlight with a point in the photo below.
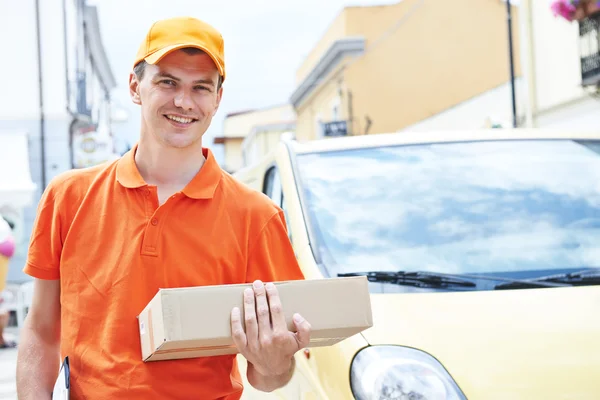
(395, 372)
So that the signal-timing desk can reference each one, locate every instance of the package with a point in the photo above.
(196, 321)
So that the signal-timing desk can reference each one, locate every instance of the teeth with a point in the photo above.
(179, 119)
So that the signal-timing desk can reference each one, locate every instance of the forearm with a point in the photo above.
(38, 361)
(269, 383)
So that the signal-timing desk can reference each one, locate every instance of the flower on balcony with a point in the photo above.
(564, 8)
(572, 10)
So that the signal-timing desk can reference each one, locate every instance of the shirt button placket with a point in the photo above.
(150, 240)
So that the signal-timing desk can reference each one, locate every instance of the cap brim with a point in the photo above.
(160, 54)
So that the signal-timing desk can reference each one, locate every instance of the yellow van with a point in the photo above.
(482, 251)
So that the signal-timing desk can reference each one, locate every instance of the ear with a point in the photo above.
(134, 89)
(218, 100)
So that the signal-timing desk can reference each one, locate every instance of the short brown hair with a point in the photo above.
(140, 67)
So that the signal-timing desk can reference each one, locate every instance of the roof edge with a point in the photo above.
(329, 60)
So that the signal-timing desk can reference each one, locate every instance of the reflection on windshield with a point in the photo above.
(489, 207)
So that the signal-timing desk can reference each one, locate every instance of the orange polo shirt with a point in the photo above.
(102, 233)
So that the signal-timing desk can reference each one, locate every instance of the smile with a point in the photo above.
(181, 120)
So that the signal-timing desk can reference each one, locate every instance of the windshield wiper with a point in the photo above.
(441, 280)
(418, 278)
(580, 278)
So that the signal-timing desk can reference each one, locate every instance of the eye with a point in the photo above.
(167, 82)
(202, 88)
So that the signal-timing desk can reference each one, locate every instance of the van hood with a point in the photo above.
(507, 344)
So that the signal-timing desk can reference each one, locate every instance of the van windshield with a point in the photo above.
(518, 209)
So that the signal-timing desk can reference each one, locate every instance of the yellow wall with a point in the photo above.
(440, 55)
(319, 103)
(306, 126)
(260, 144)
(4, 261)
(336, 30)
(444, 54)
(233, 154)
(237, 127)
(373, 21)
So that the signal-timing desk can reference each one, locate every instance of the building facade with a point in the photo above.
(559, 84)
(247, 135)
(262, 139)
(561, 70)
(55, 107)
(380, 68)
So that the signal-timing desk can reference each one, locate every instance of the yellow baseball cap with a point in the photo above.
(171, 34)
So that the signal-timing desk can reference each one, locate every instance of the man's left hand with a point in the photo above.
(267, 343)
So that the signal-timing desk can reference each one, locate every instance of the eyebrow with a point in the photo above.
(167, 75)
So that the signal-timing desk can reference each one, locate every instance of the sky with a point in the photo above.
(265, 43)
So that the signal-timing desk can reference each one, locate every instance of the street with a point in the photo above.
(8, 362)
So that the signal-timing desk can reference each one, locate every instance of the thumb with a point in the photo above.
(303, 331)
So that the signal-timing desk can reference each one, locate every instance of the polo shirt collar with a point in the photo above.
(202, 186)
(128, 174)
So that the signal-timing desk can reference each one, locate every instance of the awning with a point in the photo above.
(16, 186)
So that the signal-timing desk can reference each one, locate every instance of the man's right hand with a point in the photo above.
(39, 348)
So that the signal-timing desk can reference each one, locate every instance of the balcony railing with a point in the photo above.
(589, 42)
(335, 128)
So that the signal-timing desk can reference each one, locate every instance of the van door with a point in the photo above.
(272, 188)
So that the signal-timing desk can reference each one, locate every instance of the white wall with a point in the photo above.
(19, 67)
(73, 33)
(19, 98)
(494, 106)
(53, 56)
(558, 99)
(556, 57)
(20, 92)
(579, 116)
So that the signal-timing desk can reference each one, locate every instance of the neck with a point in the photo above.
(168, 166)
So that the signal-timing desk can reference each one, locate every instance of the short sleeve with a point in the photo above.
(45, 246)
(271, 256)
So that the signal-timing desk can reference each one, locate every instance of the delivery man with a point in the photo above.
(164, 215)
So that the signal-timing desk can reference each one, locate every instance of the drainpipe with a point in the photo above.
(511, 61)
(41, 95)
(67, 83)
(528, 62)
(66, 54)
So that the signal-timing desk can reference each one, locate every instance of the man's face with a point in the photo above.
(178, 98)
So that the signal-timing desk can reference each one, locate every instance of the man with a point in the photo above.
(7, 250)
(164, 215)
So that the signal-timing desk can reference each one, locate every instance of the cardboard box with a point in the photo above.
(196, 322)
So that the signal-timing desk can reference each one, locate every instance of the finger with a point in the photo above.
(250, 319)
(276, 308)
(303, 329)
(262, 310)
(237, 330)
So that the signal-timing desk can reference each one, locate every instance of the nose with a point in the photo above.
(183, 100)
